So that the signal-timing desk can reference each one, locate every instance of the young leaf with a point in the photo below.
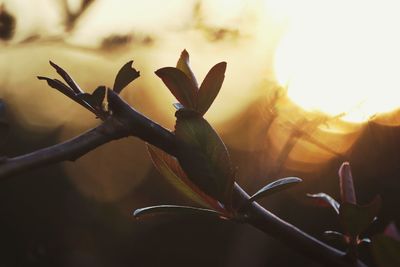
(125, 76)
(326, 199)
(386, 251)
(275, 186)
(61, 87)
(347, 192)
(169, 167)
(392, 231)
(183, 65)
(355, 218)
(68, 79)
(180, 86)
(210, 87)
(176, 210)
(95, 100)
(203, 156)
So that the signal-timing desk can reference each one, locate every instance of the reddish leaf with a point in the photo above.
(183, 65)
(392, 231)
(180, 86)
(347, 191)
(169, 167)
(203, 156)
(210, 87)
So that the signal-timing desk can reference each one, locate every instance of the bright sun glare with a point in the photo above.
(340, 56)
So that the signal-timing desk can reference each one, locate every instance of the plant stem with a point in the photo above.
(126, 121)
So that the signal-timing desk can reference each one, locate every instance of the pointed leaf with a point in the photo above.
(125, 76)
(176, 210)
(169, 167)
(335, 236)
(392, 231)
(183, 65)
(203, 156)
(61, 87)
(355, 218)
(275, 186)
(347, 192)
(68, 79)
(210, 87)
(386, 251)
(326, 200)
(180, 86)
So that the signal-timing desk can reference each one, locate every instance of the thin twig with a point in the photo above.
(126, 121)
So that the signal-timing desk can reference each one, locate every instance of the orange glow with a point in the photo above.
(341, 56)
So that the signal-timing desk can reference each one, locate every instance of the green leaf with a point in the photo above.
(203, 156)
(386, 251)
(355, 218)
(125, 76)
(176, 210)
(180, 86)
(210, 87)
(169, 167)
(325, 199)
(274, 187)
(347, 192)
(183, 65)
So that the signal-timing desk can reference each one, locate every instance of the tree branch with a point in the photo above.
(126, 121)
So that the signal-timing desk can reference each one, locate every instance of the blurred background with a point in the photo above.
(309, 85)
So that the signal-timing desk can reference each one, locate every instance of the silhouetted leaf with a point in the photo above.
(210, 87)
(347, 192)
(275, 186)
(61, 87)
(326, 200)
(355, 218)
(203, 156)
(386, 251)
(125, 76)
(180, 86)
(176, 210)
(169, 167)
(95, 99)
(335, 236)
(183, 65)
(68, 79)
